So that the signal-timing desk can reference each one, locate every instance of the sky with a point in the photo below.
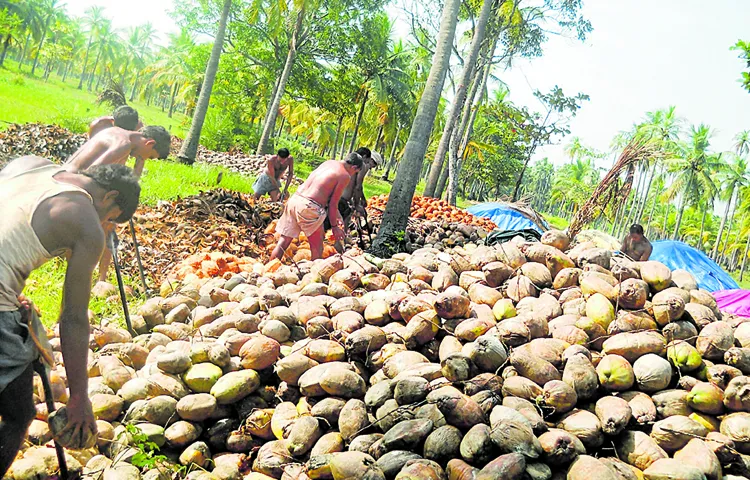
(643, 55)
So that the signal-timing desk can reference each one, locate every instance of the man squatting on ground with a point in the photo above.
(48, 211)
(269, 182)
(114, 146)
(635, 245)
(306, 210)
(123, 117)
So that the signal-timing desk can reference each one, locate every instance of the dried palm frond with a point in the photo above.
(113, 95)
(609, 189)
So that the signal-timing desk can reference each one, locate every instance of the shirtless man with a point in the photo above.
(635, 245)
(124, 117)
(270, 180)
(306, 210)
(48, 211)
(114, 146)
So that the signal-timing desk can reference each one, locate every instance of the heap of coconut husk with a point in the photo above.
(235, 160)
(47, 141)
(516, 361)
(216, 221)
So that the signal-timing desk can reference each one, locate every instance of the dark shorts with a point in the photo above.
(345, 209)
(17, 348)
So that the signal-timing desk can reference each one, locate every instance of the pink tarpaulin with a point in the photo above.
(733, 301)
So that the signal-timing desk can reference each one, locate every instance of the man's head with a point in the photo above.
(283, 153)
(636, 231)
(118, 192)
(156, 143)
(364, 152)
(126, 117)
(353, 163)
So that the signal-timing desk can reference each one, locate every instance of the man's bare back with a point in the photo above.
(635, 245)
(109, 146)
(323, 181)
(277, 166)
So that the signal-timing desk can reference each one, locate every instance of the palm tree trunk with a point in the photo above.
(651, 215)
(68, 64)
(133, 90)
(41, 43)
(25, 48)
(93, 70)
(85, 62)
(336, 140)
(722, 224)
(281, 127)
(449, 142)
(343, 146)
(392, 159)
(273, 112)
(683, 204)
(124, 72)
(6, 45)
(666, 220)
(396, 213)
(271, 98)
(744, 257)
(353, 144)
(171, 99)
(379, 137)
(642, 207)
(729, 229)
(703, 225)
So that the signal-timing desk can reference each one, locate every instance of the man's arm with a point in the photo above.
(647, 252)
(289, 177)
(87, 245)
(138, 169)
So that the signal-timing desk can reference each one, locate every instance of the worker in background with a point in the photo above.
(48, 211)
(315, 200)
(635, 245)
(353, 199)
(269, 182)
(124, 117)
(114, 146)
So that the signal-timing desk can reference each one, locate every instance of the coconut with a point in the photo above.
(707, 398)
(614, 414)
(652, 373)
(667, 307)
(600, 310)
(615, 373)
(656, 274)
(632, 293)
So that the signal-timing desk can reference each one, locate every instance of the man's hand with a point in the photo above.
(81, 426)
(338, 233)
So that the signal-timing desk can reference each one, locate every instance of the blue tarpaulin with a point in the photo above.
(504, 217)
(678, 255)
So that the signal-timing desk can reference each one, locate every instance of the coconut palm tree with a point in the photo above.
(173, 70)
(190, 145)
(734, 177)
(397, 210)
(93, 20)
(31, 14)
(693, 168)
(50, 10)
(10, 25)
(742, 143)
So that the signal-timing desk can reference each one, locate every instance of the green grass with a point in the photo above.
(30, 99)
(167, 180)
(745, 283)
(556, 222)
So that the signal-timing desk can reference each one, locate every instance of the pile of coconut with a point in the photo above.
(518, 361)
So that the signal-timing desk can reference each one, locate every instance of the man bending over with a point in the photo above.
(270, 180)
(306, 210)
(48, 211)
(636, 245)
(124, 117)
(115, 145)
